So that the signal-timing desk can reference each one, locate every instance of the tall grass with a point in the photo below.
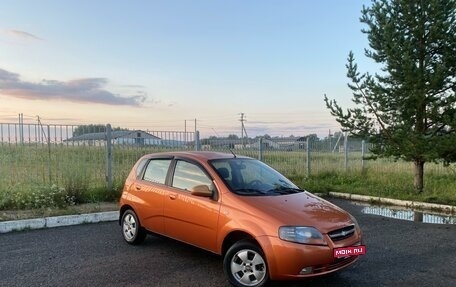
(437, 188)
(39, 176)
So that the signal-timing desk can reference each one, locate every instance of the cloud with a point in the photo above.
(133, 86)
(87, 90)
(270, 122)
(296, 129)
(22, 34)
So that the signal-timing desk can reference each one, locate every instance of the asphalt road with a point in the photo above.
(399, 253)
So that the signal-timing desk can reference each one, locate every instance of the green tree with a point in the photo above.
(408, 108)
(313, 137)
(88, 129)
(232, 137)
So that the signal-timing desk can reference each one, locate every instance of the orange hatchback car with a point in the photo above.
(263, 225)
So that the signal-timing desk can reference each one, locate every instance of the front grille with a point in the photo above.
(342, 233)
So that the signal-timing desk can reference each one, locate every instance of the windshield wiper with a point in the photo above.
(286, 190)
(249, 191)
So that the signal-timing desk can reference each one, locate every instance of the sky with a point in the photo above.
(159, 65)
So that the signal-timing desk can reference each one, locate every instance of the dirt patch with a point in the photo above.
(7, 215)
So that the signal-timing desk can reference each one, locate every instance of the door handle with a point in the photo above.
(172, 196)
(137, 187)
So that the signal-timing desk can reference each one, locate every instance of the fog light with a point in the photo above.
(305, 271)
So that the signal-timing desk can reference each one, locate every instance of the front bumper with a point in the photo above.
(288, 260)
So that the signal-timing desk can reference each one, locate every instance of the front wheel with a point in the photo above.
(245, 265)
(132, 231)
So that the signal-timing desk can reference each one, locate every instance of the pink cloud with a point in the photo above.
(86, 90)
(22, 34)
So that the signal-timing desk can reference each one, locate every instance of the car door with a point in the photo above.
(150, 191)
(189, 218)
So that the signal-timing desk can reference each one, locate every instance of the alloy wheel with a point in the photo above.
(248, 267)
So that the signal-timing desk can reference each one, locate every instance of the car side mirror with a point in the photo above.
(201, 190)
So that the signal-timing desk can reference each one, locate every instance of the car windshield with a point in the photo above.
(246, 176)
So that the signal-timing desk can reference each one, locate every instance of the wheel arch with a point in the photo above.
(122, 210)
(235, 236)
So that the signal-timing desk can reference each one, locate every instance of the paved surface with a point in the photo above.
(399, 253)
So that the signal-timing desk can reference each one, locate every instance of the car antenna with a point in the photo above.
(233, 153)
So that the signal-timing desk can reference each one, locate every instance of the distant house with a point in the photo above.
(226, 143)
(286, 144)
(266, 144)
(136, 137)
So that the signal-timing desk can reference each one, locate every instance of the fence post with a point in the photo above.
(197, 141)
(49, 152)
(108, 158)
(363, 147)
(260, 149)
(346, 152)
(308, 155)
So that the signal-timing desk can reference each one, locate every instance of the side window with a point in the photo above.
(156, 170)
(188, 175)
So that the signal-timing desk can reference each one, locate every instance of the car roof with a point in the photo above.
(202, 155)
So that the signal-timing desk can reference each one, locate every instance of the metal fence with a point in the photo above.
(74, 158)
(99, 157)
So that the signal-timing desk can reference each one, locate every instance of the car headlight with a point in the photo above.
(355, 222)
(301, 234)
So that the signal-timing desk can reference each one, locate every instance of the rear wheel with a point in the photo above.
(132, 231)
(245, 265)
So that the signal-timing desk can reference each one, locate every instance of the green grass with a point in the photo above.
(34, 176)
(438, 188)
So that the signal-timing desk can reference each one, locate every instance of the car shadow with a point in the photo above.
(333, 280)
(213, 263)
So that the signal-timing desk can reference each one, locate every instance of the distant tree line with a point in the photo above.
(89, 129)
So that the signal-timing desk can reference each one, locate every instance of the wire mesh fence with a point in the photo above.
(96, 157)
(75, 158)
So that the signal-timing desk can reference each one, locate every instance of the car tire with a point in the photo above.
(245, 265)
(132, 231)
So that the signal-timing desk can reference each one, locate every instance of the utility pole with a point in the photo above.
(42, 134)
(243, 131)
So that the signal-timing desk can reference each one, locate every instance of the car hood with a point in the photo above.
(300, 209)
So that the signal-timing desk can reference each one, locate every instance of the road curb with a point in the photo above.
(56, 221)
(66, 220)
(405, 203)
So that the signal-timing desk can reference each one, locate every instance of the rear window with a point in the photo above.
(156, 170)
(140, 168)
